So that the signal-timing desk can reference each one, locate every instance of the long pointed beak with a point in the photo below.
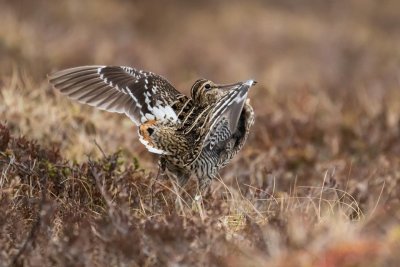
(236, 92)
(235, 85)
(250, 82)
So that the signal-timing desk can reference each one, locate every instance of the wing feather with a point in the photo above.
(225, 115)
(119, 89)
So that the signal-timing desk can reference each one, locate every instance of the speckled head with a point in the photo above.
(205, 92)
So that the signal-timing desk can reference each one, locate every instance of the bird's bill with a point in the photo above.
(249, 83)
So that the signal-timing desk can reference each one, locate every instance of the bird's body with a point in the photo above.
(193, 135)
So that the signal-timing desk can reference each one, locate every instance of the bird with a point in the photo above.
(196, 135)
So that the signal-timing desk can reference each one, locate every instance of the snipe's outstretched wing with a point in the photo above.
(141, 95)
(225, 115)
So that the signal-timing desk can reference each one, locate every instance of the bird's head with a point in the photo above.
(206, 92)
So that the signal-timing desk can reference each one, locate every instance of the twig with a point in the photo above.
(99, 147)
(112, 210)
(35, 226)
(160, 167)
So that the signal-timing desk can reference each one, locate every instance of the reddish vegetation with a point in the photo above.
(317, 183)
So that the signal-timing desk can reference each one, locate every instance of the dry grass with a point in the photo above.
(317, 184)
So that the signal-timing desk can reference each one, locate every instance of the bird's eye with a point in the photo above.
(150, 130)
(207, 86)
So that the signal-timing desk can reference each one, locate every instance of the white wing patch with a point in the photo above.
(158, 111)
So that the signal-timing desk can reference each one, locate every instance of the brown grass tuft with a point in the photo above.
(317, 184)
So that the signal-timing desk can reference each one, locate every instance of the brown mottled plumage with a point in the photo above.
(196, 135)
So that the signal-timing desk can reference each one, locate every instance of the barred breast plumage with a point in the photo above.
(193, 135)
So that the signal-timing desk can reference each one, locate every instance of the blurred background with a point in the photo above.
(323, 153)
(328, 73)
(329, 44)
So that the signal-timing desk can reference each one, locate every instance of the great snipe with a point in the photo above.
(193, 135)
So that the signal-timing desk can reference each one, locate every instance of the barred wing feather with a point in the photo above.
(141, 95)
(225, 115)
